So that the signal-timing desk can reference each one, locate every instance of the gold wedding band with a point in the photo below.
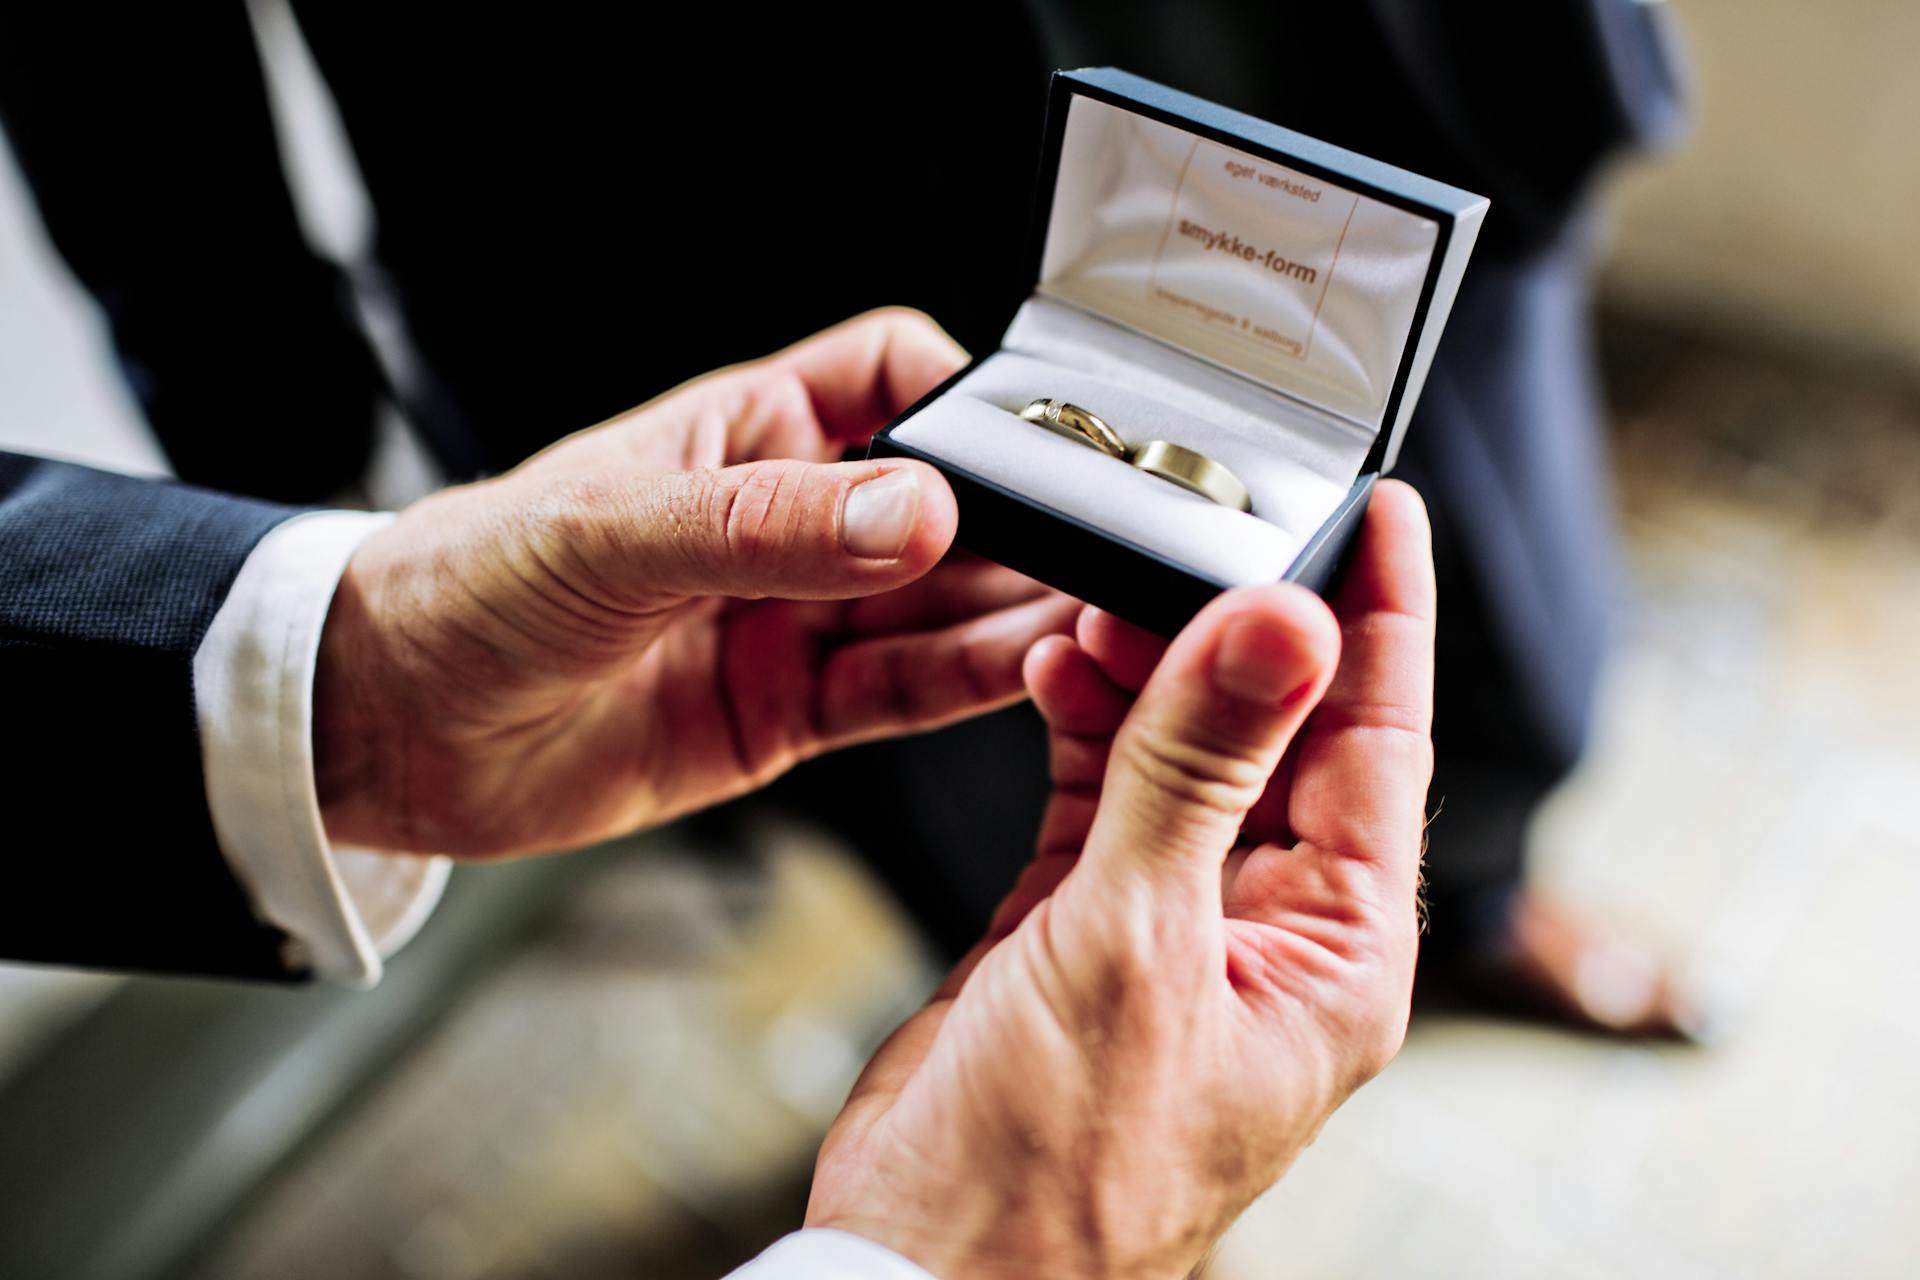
(1075, 423)
(1194, 472)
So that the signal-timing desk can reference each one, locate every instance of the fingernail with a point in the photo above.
(879, 516)
(1257, 662)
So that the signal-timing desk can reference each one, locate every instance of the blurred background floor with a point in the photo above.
(639, 1090)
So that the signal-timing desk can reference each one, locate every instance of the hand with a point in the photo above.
(662, 612)
(1155, 1026)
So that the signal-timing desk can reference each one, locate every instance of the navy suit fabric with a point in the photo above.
(107, 585)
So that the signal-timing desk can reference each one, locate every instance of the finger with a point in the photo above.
(1067, 821)
(1360, 781)
(1198, 747)
(1267, 820)
(891, 685)
(960, 587)
(793, 530)
(1083, 709)
(1078, 764)
(1072, 693)
(808, 402)
(1128, 654)
(859, 375)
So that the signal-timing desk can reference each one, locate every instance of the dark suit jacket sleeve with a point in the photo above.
(107, 585)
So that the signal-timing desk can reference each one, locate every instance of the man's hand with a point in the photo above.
(1213, 947)
(662, 612)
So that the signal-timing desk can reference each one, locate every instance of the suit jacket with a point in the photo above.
(107, 585)
(566, 237)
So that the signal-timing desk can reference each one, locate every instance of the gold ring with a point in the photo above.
(1194, 472)
(1075, 423)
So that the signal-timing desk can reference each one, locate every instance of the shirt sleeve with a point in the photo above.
(822, 1253)
(343, 911)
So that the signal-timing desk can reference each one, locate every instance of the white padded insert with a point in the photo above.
(1297, 463)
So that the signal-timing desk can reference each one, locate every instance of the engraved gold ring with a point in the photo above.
(1075, 423)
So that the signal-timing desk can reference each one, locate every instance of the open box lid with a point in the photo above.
(1311, 270)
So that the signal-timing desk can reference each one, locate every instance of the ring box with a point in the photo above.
(1208, 279)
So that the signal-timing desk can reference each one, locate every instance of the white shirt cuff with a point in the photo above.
(343, 911)
(822, 1253)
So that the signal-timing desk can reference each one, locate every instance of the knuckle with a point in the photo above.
(898, 314)
(778, 393)
(576, 521)
(565, 551)
(562, 510)
(980, 677)
(902, 694)
(1193, 775)
(758, 514)
(678, 507)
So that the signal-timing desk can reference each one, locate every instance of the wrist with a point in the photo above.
(944, 1251)
(351, 748)
(952, 1244)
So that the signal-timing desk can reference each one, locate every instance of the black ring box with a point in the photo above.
(1152, 587)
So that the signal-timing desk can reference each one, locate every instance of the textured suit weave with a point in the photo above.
(107, 585)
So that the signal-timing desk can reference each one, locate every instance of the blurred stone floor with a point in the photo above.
(639, 1091)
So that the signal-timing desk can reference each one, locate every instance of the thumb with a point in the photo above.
(1204, 738)
(796, 530)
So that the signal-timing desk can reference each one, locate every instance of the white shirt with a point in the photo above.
(345, 910)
